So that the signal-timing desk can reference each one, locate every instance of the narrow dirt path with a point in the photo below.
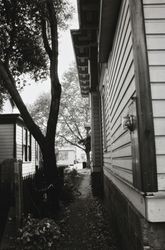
(87, 225)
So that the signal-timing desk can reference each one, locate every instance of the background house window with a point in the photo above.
(27, 145)
(63, 155)
(29, 151)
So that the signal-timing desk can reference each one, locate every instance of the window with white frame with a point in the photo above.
(27, 149)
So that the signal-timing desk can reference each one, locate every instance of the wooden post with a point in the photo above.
(144, 104)
(18, 191)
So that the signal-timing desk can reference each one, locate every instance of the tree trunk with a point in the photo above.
(51, 177)
(50, 167)
(88, 158)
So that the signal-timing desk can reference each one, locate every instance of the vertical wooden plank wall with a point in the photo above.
(154, 13)
(119, 87)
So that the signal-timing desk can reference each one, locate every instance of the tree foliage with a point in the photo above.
(29, 44)
(20, 36)
(73, 114)
(74, 110)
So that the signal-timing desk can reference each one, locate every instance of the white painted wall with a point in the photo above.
(154, 13)
(118, 86)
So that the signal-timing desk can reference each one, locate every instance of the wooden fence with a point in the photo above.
(10, 193)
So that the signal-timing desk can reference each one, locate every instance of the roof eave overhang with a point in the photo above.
(84, 38)
(82, 55)
(109, 11)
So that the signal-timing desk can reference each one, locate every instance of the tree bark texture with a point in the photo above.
(88, 158)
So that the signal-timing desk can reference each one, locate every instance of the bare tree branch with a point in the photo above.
(70, 128)
(74, 144)
(78, 130)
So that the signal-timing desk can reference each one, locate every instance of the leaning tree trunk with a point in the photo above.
(47, 142)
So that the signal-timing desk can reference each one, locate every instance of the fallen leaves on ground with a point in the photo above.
(38, 234)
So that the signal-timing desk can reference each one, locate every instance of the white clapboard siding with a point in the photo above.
(125, 101)
(122, 52)
(123, 73)
(158, 91)
(160, 145)
(124, 151)
(160, 164)
(155, 27)
(119, 87)
(127, 86)
(121, 141)
(156, 57)
(120, 47)
(19, 142)
(118, 132)
(159, 125)
(154, 11)
(116, 44)
(157, 73)
(123, 173)
(6, 141)
(125, 162)
(161, 182)
(153, 1)
(28, 168)
(158, 108)
(154, 14)
(156, 42)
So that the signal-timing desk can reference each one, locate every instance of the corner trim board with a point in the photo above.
(144, 100)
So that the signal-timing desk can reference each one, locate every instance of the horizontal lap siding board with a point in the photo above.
(154, 13)
(6, 141)
(119, 87)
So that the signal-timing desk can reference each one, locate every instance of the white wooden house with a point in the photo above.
(16, 142)
(120, 54)
(66, 156)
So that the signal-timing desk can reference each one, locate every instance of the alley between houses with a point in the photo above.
(86, 224)
(82, 223)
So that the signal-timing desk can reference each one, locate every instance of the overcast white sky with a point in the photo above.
(66, 57)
